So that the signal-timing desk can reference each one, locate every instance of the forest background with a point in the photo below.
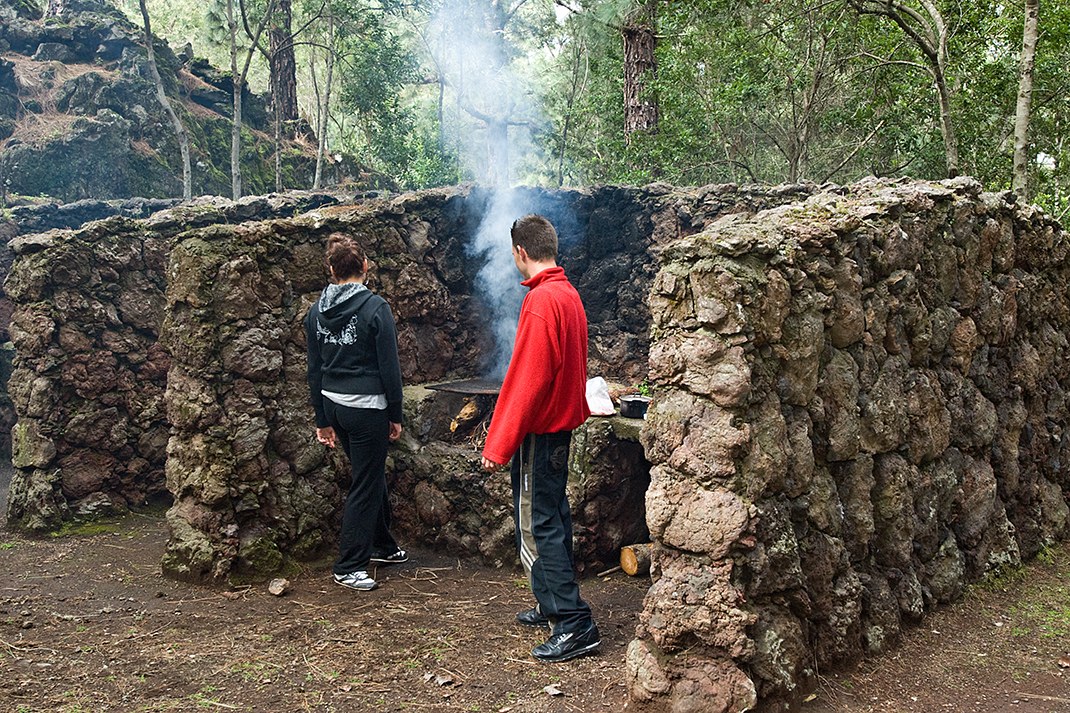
(689, 92)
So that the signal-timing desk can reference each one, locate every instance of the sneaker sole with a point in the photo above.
(586, 650)
(383, 561)
(357, 589)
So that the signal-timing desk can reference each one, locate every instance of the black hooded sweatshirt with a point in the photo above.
(352, 348)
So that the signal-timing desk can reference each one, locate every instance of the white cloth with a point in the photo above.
(598, 397)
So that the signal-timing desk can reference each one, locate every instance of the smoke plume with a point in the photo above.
(498, 281)
(494, 108)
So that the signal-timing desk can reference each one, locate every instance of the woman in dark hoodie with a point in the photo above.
(355, 382)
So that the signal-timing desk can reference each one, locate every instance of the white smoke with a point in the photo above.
(498, 281)
(472, 53)
(493, 111)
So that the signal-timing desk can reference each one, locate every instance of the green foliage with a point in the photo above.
(375, 68)
(748, 91)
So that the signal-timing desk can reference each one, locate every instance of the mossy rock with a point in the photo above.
(260, 556)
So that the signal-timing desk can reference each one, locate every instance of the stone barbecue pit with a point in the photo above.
(859, 400)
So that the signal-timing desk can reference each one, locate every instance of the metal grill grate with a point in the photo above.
(489, 387)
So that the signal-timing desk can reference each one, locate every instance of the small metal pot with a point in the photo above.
(634, 406)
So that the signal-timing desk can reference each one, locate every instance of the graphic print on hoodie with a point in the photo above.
(338, 295)
(352, 347)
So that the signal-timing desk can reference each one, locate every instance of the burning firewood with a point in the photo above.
(468, 414)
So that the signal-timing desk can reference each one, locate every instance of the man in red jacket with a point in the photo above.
(542, 400)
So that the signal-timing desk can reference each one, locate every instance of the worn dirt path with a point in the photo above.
(88, 624)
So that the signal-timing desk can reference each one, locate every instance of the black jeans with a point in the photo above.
(364, 435)
(544, 529)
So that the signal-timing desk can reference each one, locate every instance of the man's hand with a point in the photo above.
(490, 466)
(395, 431)
(326, 437)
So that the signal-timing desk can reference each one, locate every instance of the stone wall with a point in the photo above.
(88, 379)
(443, 498)
(88, 376)
(419, 243)
(252, 486)
(860, 402)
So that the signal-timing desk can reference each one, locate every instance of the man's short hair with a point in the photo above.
(536, 235)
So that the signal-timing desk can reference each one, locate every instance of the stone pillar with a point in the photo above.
(859, 404)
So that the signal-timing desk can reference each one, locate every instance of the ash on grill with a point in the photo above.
(468, 404)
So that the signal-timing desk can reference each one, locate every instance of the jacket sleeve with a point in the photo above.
(386, 350)
(526, 389)
(315, 372)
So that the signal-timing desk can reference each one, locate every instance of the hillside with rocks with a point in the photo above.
(79, 117)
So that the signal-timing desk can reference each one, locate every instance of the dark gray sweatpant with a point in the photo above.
(544, 529)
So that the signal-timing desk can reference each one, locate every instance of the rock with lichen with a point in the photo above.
(850, 391)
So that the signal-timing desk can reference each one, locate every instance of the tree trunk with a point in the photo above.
(947, 125)
(935, 49)
(235, 117)
(284, 69)
(277, 140)
(325, 104)
(318, 96)
(498, 171)
(238, 84)
(161, 94)
(930, 35)
(573, 91)
(640, 70)
(1020, 179)
(441, 114)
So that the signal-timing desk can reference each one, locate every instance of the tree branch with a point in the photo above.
(854, 153)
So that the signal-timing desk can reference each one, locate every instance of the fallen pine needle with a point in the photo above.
(1053, 699)
(15, 648)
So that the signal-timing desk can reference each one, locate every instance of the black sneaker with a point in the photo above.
(532, 617)
(568, 645)
(395, 558)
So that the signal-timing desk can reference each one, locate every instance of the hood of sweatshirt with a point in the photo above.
(339, 303)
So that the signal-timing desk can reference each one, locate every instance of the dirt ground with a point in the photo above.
(88, 624)
(1003, 648)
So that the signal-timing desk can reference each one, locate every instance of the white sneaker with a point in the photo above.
(356, 580)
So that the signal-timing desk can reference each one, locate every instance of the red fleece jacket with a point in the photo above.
(545, 389)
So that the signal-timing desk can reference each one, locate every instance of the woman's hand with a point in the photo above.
(326, 436)
(395, 431)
